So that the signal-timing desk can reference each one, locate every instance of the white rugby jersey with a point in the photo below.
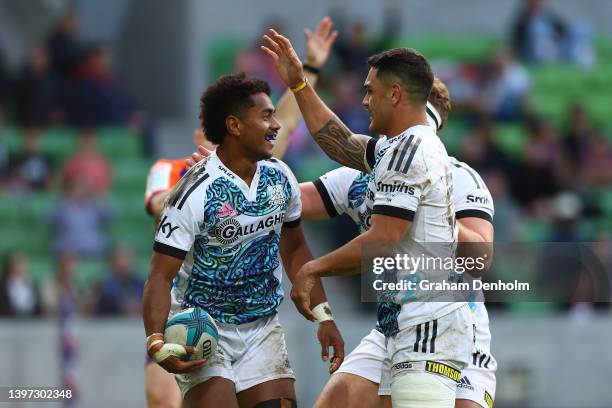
(343, 191)
(228, 235)
(411, 180)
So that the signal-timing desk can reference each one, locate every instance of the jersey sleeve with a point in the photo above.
(400, 179)
(158, 180)
(333, 187)
(372, 149)
(180, 223)
(471, 201)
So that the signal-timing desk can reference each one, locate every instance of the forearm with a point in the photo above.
(336, 140)
(289, 115)
(296, 259)
(156, 304)
(473, 245)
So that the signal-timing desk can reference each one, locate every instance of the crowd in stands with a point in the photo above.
(553, 178)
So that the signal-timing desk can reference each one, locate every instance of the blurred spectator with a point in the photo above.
(596, 162)
(37, 92)
(88, 167)
(565, 209)
(98, 98)
(31, 169)
(577, 134)
(508, 215)
(534, 177)
(59, 288)
(120, 293)
(64, 45)
(4, 163)
(79, 222)
(5, 89)
(353, 46)
(255, 63)
(347, 103)
(481, 152)
(18, 296)
(538, 33)
(505, 88)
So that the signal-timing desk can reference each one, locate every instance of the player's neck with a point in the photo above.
(406, 119)
(240, 165)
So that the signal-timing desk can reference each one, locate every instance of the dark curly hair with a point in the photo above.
(407, 66)
(228, 95)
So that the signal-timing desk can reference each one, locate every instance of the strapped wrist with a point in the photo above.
(154, 339)
(323, 312)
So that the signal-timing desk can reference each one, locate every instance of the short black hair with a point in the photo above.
(409, 67)
(228, 95)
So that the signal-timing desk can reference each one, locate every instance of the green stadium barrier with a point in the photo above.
(118, 143)
(468, 48)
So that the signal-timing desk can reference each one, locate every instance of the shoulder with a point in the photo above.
(465, 177)
(192, 184)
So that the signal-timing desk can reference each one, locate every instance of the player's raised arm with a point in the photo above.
(318, 47)
(333, 136)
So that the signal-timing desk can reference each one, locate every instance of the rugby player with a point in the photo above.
(161, 387)
(221, 232)
(356, 383)
(411, 156)
(341, 191)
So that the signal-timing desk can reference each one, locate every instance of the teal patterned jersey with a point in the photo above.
(228, 234)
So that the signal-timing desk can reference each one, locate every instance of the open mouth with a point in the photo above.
(271, 136)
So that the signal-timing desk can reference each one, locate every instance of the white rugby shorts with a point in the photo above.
(247, 354)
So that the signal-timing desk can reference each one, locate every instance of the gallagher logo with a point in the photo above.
(229, 230)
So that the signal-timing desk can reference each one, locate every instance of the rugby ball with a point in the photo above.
(193, 327)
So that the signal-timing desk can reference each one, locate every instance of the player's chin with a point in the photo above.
(266, 152)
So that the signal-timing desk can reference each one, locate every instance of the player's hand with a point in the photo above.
(197, 157)
(285, 59)
(319, 42)
(168, 355)
(329, 335)
(300, 292)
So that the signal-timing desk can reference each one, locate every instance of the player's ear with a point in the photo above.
(396, 93)
(233, 125)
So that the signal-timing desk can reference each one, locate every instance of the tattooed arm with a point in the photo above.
(329, 132)
(333, 136)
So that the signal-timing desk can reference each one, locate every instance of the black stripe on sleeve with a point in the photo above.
(412, 153)
(169, 250)
(191, 189)
(418, 339)
(405, 146)
(292, 224)
(424, 347)
(394, 212)
(371, 152)
(432, 343)
(326, 198)
(473, 213)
